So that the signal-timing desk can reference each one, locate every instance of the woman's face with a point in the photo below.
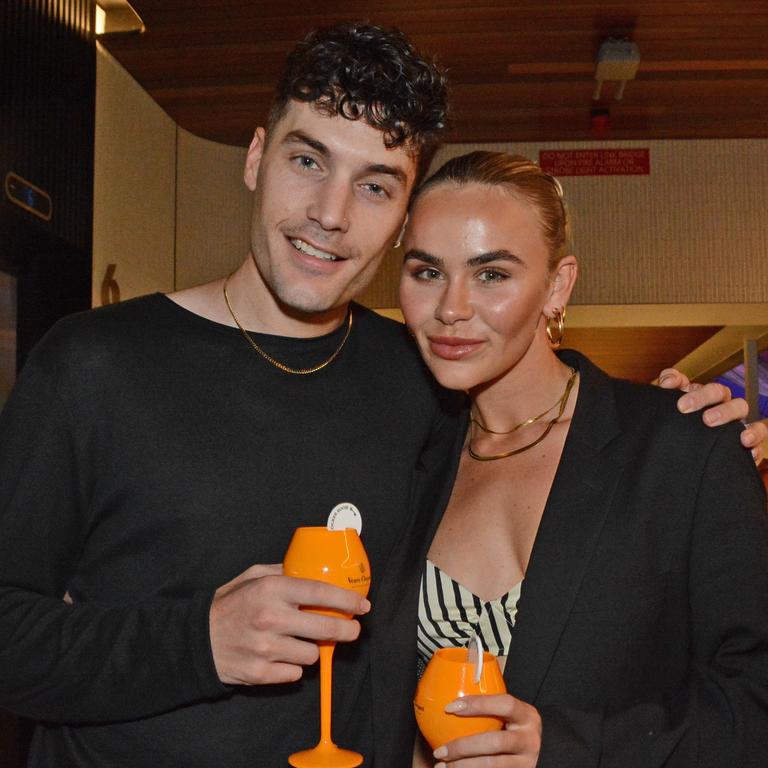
(475, 281)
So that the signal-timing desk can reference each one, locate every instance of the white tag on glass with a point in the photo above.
(345, 515)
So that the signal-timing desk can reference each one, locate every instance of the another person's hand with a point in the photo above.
(260, 635)
(720, 407)
(517, 745)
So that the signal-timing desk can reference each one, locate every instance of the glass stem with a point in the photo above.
(326, 687)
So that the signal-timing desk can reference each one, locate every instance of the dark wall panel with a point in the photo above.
(47, 87)
(47, 106)
(47, 103)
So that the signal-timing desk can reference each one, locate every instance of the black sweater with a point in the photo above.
(148, 456)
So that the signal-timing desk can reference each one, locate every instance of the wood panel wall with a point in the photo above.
(134, 223)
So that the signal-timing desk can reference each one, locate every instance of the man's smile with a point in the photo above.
(310, 250)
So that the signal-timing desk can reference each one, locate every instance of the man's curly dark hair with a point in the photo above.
(361, 71)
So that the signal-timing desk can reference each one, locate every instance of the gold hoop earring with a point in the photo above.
(555, 327)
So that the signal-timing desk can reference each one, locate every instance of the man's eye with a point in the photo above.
(304, 161)
(376, 189)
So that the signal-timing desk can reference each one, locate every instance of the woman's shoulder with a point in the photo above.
(645, 406)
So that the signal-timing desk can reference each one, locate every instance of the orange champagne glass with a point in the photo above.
(335, 557)
(451, 674)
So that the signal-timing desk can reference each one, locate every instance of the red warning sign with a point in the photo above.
(596, 162)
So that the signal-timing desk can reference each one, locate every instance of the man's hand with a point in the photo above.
(721, 410)
(259, 634)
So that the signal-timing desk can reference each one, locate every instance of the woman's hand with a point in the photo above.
(517, 745)
(720, 408)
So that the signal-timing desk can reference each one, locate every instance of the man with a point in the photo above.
(155, 451)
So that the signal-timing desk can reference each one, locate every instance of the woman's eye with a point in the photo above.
(427, 273)
(492, 276)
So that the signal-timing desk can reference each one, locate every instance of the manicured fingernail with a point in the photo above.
(440, 753)
(685, 404)
(664, 377)
(711, 417)
(456, 706)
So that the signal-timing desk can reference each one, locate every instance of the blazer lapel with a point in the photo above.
(570, 527)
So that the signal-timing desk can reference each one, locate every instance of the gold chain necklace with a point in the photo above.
(277, 363)
(522, 424)
(562, 403)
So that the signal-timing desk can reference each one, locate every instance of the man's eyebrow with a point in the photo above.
(299, 137)
(501, 255)
(389, 170)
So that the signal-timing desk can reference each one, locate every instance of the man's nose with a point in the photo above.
(331, 208)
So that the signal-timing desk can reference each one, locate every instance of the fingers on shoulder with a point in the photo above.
(671, 378)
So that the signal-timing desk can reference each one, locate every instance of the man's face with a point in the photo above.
(330, 201)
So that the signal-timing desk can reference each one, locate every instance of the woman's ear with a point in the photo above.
(561, 286)
(253, 158)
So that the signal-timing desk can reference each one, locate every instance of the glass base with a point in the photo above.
(325, 755)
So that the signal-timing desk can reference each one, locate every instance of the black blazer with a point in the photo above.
(642, 626)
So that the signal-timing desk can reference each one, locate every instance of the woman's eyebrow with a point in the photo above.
(418, 255)
(501, 255)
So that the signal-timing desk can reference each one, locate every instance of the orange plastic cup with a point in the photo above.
(448, 676)
(335, 557)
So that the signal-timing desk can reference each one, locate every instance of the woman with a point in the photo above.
(625, 543)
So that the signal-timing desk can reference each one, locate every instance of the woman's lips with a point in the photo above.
(453, 347)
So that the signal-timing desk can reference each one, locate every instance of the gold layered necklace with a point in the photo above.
(277, 363)
(560, 405)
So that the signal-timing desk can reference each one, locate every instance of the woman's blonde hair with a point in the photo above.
(522, 178)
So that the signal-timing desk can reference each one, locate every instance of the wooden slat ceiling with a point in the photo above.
(520, 71)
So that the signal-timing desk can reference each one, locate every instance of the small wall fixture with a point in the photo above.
(117, 17)
(616, 60)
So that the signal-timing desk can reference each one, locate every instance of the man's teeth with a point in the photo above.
(308, 249)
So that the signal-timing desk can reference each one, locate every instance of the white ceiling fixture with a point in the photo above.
(617, 60)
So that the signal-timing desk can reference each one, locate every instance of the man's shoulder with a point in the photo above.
(387, 350)
(388, 341)
(87, 340)
(84, 329)
(375, 326)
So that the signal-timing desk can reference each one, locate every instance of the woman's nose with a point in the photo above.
(454, 304)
